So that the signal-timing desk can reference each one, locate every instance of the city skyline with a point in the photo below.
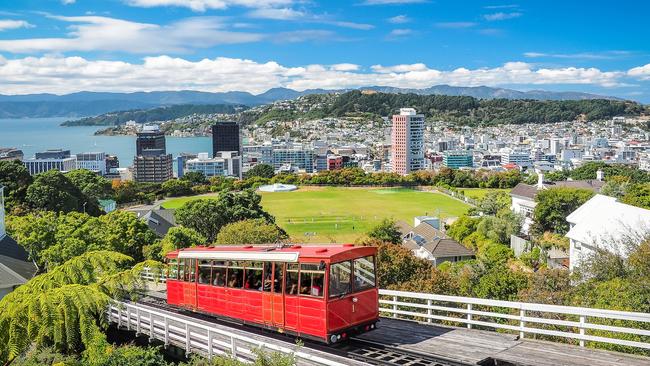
(225, 45)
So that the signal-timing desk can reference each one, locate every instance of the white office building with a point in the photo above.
(520, 158)
(51, 160)
(93, 161)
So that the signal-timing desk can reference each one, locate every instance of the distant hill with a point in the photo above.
(155, 114)
(83, 104)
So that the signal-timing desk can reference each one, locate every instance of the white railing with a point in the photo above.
(569, 322)
(203, 338)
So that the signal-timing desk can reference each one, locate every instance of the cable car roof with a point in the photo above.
(272, 253)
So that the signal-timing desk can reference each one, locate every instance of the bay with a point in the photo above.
(37, 134)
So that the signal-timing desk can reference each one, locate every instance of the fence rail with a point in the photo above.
(568, 323)
(198, 337)
(571, 323)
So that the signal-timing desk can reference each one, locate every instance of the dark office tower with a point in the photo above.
(150, 142)
(225, 137)
(152, 163)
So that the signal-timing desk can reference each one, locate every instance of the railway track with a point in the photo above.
(370, 353)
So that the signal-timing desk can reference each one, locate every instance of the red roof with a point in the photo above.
(331, 252)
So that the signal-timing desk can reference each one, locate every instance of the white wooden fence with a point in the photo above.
(567, 322)
(203, 338)
(521, 317)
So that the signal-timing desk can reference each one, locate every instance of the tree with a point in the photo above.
(493, 202)
(180, 237)
(91, 184)
(53, 191)
(261, 170)
(15, 178)
(637, 195)
(208, 216)
(553, 207)
(386, 231)
(177, 187)
(251, 231)
(463, 227)
(195, 178)
(65, 307)
(397, 265)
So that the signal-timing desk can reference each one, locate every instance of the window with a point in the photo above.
(277, 279)
(253, 279)
(204, 271)
(181, 269)
(219, 273)
(311, 280)
(172, 269)
(340, 279)
(292, 279)
(190, 270)
(235, 274)
(364, 273)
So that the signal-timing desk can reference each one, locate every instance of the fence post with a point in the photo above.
(137, 319)
(119, 317)
(187, 338)
(209, 344)
(128, 318)
(522, 324)
(394, 307)
(151, 330)
(469, 316)
(582, 330)
(166, 331)
(429, 311)
(233, 347)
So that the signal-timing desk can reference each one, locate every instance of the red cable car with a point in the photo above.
(324, 293)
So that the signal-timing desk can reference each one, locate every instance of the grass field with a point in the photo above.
(478, 193)
(329, 214)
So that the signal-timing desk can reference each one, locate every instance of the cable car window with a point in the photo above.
(364, 273)
(235, 274)
(181, 269)
(311, 280)
(172, 269)
(277, 279)
(340, 274)
(219, 273)
(204, 271)
(190, 270)
(268, 277)
(292, 279)
(253, 279)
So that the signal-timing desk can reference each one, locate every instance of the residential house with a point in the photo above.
(159, 220)
(523, 195)
(428, 242)
(604, 223)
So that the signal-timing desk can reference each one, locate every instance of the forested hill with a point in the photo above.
(460, 109)
(155, 114)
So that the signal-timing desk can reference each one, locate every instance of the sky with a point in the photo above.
(64, 46)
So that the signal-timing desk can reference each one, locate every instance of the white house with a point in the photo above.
(603, 222)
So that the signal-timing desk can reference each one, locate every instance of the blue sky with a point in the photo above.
(62, 46)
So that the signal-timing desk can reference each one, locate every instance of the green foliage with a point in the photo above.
(153, 115)
(53, 191)
(130, 355)
(554, 205)
(533, 259)
(177, 187)
(493, 202)
(261, 170)
(52, 239)
(397, 265)
(386, 231)
(463, 227)
(181, 237)
(15, 178)
(194, 177)
(499, 228)
(637, 195)
(495, 255)
(251, 231)
(91, 184)
(137, 192)
(208, 216)
(501, 284)
(588, 171)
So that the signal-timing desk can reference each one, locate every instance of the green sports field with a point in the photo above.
(478, 193)
(337, 215)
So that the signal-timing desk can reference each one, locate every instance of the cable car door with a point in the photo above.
(189, 286)
(273, 298)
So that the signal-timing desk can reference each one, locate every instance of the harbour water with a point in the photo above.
(38, 134)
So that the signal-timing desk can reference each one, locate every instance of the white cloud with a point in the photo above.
(67, 2)
(392, 2)
(344, 24)
(455, 25)
(502, 16)
(304, 35)
(56, 74)
(6, 24)
(203, 5)
(606, 55)
(400, 32)
(276, 13)
(507, 6)
(96, 33)
(399, 19)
